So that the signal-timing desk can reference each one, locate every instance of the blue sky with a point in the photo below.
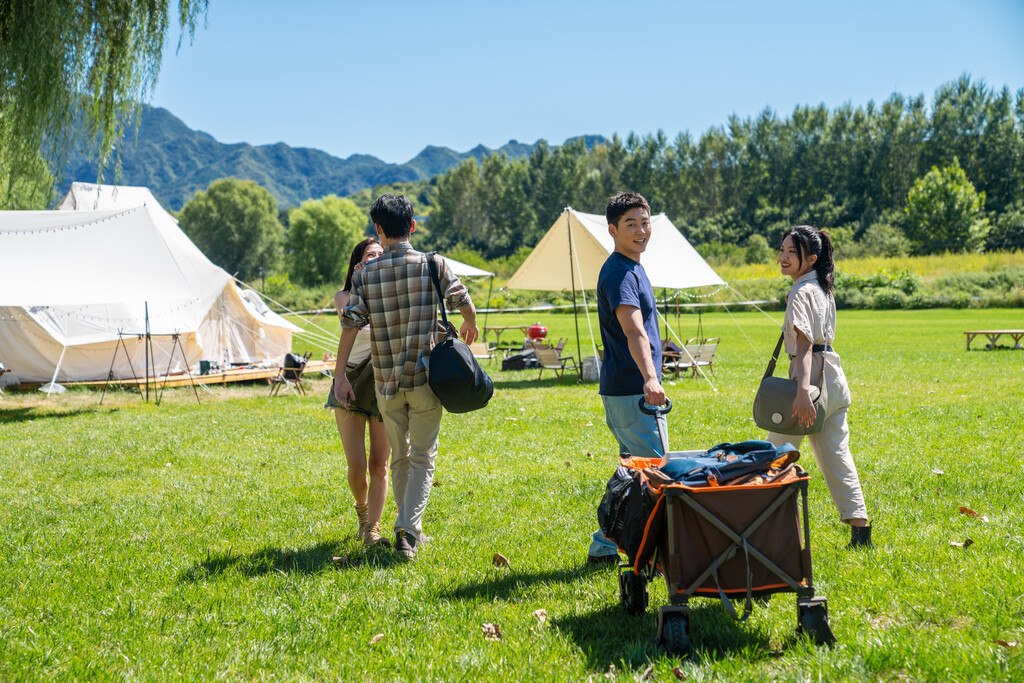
(389, 78)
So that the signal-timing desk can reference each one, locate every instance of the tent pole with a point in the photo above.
(56, 370)
(490, 286)
(575, 312)
(677, 308)
(664, 295)
(146, 344)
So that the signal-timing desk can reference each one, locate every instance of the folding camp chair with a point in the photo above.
(481, 352)
(550, 360)
(675, 362)
(705, 357)
(289, 375)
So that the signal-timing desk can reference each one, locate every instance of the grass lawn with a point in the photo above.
(195, 541)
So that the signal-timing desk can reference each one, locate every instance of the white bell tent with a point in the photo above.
(89, 279)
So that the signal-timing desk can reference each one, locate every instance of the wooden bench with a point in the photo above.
(993, 335)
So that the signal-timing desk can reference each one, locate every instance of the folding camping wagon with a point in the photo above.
(716, 531)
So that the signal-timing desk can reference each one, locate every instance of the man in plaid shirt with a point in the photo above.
(394, 295)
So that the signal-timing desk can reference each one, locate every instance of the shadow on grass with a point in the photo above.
(511, 583)
(610, 637)
(312, 560)
(11, 415)
(530, 381)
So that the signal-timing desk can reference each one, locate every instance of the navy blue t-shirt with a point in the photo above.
(624, 281)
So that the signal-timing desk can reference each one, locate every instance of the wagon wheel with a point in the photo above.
(676, 634)
(814, 622)
(633, 592)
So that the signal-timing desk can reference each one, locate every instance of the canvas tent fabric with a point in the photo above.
(670, 261)
(465, 270)
(76, 281)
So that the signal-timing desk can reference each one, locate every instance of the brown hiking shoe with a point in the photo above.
(363, 515)
(373, 537)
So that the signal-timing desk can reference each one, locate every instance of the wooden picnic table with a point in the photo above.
(993, 335)
(499, 329)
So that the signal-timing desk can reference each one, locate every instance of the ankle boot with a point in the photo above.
(860, 537)
(364, 519)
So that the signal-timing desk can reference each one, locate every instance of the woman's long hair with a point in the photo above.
(357, 256)
(809, 240)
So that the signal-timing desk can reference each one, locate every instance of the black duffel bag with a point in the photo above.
(624, 510)
(524, 360)
(455, 376)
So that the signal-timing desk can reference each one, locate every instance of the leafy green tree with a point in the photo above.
(944, 212)
(457, 211)
(884, 239)
(557, 182)
(1008, 230)
(321, 238)
(29, 189)
(505, 202)
(757, 250)
(234, 222)
(71, 70)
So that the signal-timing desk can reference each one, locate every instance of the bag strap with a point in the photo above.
(770, 370)
(436, 279)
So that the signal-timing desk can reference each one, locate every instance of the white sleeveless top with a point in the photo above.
(361, 347)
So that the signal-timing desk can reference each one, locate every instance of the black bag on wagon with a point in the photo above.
(624, 510)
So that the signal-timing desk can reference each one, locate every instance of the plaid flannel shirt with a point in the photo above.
(394, 295)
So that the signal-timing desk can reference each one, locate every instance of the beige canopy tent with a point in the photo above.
(80, 282)
(570, 255)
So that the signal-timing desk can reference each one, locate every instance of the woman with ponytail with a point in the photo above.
(808, 331)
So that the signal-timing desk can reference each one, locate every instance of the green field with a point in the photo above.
(195, 541)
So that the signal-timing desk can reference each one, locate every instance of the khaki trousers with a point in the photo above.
(412, 420)
(831, 447)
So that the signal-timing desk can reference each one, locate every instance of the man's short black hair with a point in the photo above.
(623, 202)
(393, 215)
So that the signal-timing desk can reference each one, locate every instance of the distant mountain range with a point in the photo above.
(175, 161)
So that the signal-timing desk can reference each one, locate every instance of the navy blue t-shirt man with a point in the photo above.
(628, 317)
(624, 282)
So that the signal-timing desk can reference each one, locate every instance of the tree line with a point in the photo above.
(887, 180)
(897, 178)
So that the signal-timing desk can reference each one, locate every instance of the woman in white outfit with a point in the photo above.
(809, 330)
(353, 422)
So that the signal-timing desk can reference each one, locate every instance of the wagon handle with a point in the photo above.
(656, 410)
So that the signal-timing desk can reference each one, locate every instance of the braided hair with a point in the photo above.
(809, 240)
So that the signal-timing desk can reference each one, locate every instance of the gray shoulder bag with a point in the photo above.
(773, 404)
